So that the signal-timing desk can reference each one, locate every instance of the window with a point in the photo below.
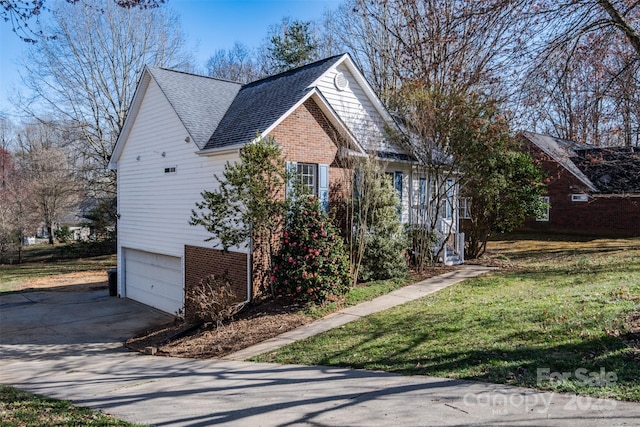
(423, 193)
(449, 200)
(545, 212)
(307, 174)
(464, 207)
(579, 197)
(396, 180)
(314, 177)
(170, 169)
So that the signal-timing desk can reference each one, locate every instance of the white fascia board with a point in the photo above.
(233, 149)
(134, 108)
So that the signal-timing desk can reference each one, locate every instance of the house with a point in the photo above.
(590, 190)
(183, 128)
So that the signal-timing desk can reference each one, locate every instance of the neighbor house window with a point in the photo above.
(170, 169)
(545, 211)
(579, 197)
(308, 175)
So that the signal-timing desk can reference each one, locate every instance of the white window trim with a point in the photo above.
(463, 207)
(545, 217)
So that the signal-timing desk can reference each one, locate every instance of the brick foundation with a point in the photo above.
(202, 262)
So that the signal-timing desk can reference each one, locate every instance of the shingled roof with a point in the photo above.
(610, 170)
(200, 102)
(560, 150)
(259, 104)
(614, 170)
(219, 113)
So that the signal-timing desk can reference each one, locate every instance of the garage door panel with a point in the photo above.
(160, 273)
(154, 279)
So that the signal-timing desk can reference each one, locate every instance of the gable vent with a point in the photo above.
(340, 81)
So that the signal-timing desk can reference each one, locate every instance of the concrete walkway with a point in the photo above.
(384, 302)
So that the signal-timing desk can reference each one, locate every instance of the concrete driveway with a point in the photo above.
(69, 345)
(70, 322)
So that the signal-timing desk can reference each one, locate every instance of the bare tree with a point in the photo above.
(87, 75)
(236, 64)
(20, 13)
(46, 175)
(584, 75)
(460, 44)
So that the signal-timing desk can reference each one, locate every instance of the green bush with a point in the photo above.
(384, 239)
(312, 263)
(422, 244)
(64, 234)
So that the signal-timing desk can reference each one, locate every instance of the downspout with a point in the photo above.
(249, 275)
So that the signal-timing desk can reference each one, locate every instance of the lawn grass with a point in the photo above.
(41, 261)
(560, 308)
(358, 294)
(19, 408)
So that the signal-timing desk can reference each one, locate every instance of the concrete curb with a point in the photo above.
(349, 314)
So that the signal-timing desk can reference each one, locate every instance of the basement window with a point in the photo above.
(170, 169)
(579, 197)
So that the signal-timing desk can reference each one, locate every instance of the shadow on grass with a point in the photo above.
(585, 364)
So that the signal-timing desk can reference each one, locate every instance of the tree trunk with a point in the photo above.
(620, 22)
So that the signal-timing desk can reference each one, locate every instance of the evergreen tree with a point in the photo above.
(292, 48)
(378, 242)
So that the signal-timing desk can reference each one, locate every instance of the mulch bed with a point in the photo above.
(254, 324)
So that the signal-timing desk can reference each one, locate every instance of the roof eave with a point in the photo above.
(231, 149)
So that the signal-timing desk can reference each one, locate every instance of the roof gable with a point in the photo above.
(200, 102)
(260, 104)
(560, 150)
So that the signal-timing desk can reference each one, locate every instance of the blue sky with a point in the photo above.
(208, 25)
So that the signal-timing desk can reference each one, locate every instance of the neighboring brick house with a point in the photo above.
(183, 128)
(591, 191)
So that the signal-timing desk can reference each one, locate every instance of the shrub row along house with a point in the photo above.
(181, 131)
(590, 190)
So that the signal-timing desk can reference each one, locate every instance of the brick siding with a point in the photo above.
(202, 262)
(602, 215)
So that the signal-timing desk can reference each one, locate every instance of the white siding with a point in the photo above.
(154, 206)
(355, 109)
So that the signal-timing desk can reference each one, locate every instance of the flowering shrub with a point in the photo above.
(312, 263)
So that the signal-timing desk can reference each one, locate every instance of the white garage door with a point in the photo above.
(154, 280)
